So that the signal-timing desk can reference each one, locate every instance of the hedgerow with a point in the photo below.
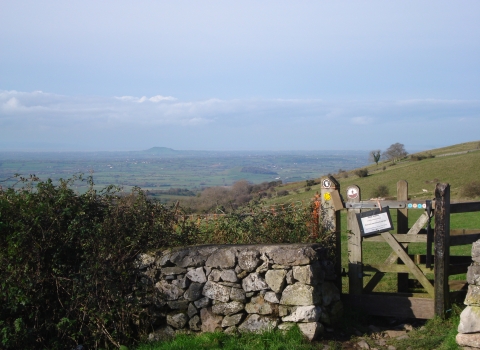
(66, 258)
(64, 263)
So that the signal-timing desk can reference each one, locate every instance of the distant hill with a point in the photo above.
(160, 151)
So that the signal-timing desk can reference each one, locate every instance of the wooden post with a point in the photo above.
(402, 227)
(442, 249)
(355, 271)
(331, 221)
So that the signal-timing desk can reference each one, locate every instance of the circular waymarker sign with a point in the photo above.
(352, 192)
(327, 196)
(326, 183)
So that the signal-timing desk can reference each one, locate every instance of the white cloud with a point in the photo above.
(156, 98)
(362, 120)
(11, 105)
(236, 123)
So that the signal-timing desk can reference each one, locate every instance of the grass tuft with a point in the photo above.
(270, 340)
(436, 334)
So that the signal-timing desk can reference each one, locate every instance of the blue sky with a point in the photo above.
(238, 75)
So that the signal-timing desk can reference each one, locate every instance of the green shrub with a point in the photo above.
(64, 264)
(418, 157)
(471, 190)
(381, 191)
(361, 172)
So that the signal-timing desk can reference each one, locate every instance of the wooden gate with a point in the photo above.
(437, 260)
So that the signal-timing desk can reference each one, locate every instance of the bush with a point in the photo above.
(310, 183)
(282, 193)
(361, 172)
(418, 157)
(471, 190)
(381, 191)
(66, 264)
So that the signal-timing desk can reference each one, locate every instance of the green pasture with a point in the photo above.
(157, 172)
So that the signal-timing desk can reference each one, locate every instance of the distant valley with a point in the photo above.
(161, 168)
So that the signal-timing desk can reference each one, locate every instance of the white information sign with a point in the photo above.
(376, 223)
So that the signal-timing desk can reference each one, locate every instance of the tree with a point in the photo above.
(395, 152)
(375, 156)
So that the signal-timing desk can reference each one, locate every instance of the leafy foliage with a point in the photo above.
(361, 172)
(255, 224)
(419, 157)
(64, 263)
(381, 191)
(66, 258)
(471, 190)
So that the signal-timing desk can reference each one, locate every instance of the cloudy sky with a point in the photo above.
(238, 75)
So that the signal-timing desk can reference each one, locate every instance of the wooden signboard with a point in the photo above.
(375, 221)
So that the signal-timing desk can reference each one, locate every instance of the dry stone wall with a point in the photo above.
(240, 288)
(469, 327)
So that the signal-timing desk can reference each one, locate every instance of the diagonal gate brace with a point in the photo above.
(400, 251)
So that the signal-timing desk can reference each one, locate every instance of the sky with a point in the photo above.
(238, 75)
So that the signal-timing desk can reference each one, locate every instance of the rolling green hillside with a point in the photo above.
(457, 165)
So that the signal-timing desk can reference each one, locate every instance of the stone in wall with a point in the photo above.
(216, 291)
(248, 260)
(222, 258)
(258, 305)
(254, 282)
(257, 323)
(300, 294)
(275, 279)
(476, 251)
(469, 320)
(227, 308)
(197, 275)
(310, 313)
(309, 274)
(169, 291)
(210, 321)
(473, 274)
(473, 295)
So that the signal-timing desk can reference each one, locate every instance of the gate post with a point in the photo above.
(402, 227)
(355, 271)
(442, 249)
(330, 220)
